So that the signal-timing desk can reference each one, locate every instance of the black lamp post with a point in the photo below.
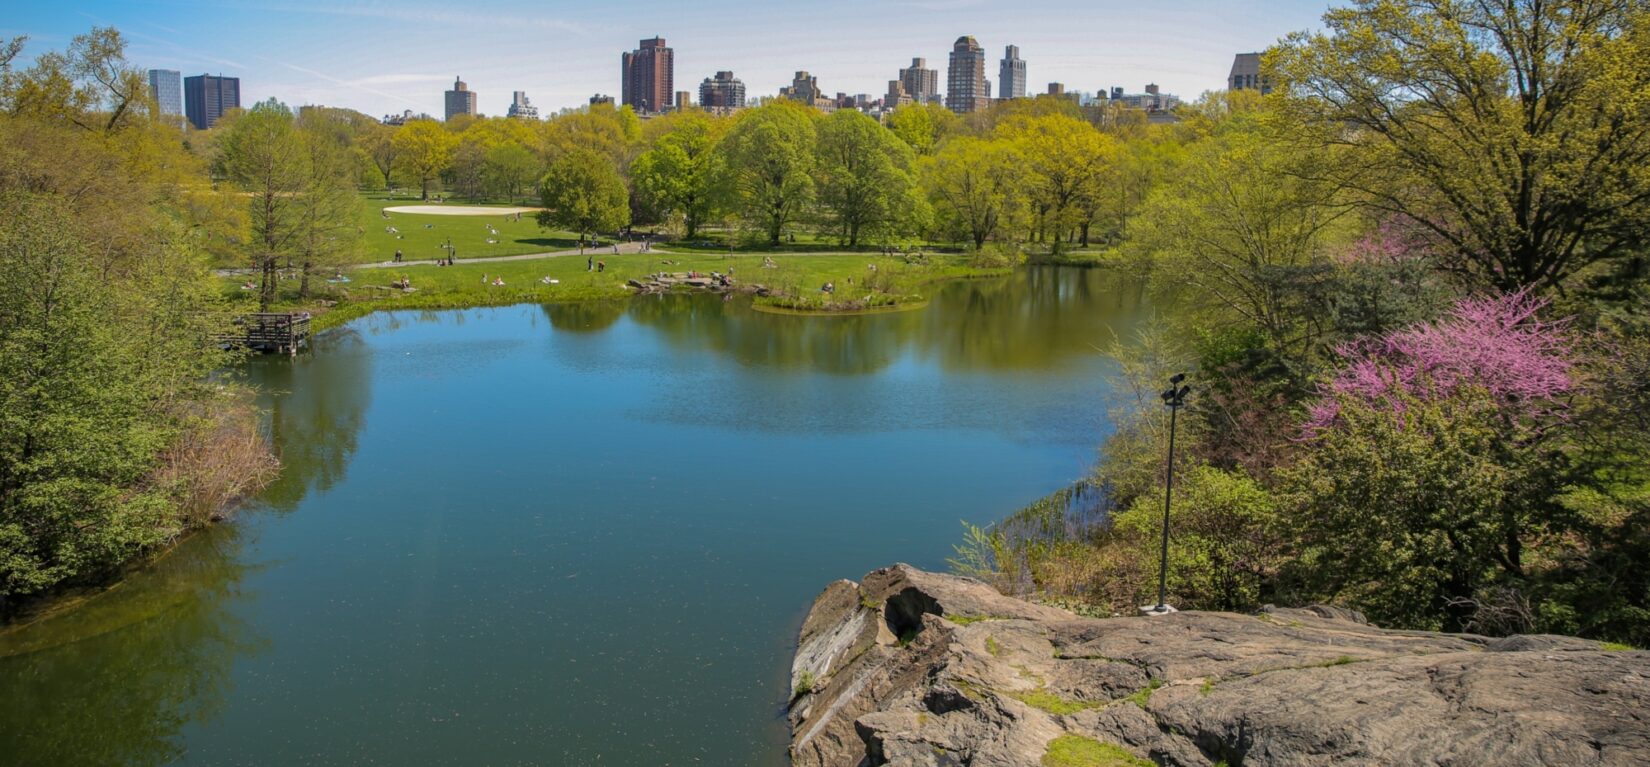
(1174, 398)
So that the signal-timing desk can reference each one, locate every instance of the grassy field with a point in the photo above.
(421, 236)
(796, 279)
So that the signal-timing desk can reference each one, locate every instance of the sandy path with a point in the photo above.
(458, 210)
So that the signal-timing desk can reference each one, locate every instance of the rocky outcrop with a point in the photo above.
(915, 668)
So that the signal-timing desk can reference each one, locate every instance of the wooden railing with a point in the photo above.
(277, 332)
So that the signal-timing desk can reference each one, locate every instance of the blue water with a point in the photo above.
(578, 534)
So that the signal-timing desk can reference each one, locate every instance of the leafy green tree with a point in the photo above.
(85, 412)
(678, 176)
(614, 133)
(1245, 226)
(768, 158)
(975, 185)
(90, 86)
(424, 149)
(584, 193)
(508, 170)
(1514, 131)
(1068, 161)
(328, 207)
(379, 144)
(264, 154)
(923, 127)
(863, 176)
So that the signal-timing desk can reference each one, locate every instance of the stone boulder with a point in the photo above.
(914, 668)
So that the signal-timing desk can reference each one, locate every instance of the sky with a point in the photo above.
(386, 56)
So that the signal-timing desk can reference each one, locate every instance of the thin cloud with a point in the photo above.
(403, 78)
(943, 5)
(345, 83)
(432, 16)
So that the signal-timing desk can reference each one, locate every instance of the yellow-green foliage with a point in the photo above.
(1078, 751)
(1226, 538)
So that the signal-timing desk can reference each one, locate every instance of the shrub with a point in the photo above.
(1225, 539)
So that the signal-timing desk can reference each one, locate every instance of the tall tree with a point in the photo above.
(863, 175)
(924, 127)
(424, 149)
(975, 187)
(769, 158)
(584, 193)
(1067, 159)
(266, 157)
(1515, 131)
(1245, 227)
(508, 170)
(678, 176)
(378, 142)
(328, 226)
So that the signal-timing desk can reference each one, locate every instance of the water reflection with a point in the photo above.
(1035, 320)
(525, 579)
(317, 404)
(115, 681)
(585, 317)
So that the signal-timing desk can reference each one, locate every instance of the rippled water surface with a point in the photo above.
(578, 534)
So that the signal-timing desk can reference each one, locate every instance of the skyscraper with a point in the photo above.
(649, 77)
(521, 107)
(921, 83)
(460, 100)
(1011, 76)
(166, 85)
(722, 92)
(207, 97)
(966, 90)
(1246, 74)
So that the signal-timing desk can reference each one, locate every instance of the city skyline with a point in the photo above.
(386, 59)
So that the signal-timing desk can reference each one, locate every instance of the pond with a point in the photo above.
(569, 534)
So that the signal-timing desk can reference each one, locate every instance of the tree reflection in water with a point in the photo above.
(115, 680)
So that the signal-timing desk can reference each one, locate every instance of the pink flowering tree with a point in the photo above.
(1499, 345)
(1429, 464)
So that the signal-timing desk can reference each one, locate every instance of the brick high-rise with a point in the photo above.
(460, 100)
(649, 77)
(966, 87)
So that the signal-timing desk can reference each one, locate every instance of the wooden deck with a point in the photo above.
(276, 333)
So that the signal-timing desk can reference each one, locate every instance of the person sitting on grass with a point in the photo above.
(498, 282)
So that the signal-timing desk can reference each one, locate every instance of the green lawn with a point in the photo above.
(421, 236)
(799, 277)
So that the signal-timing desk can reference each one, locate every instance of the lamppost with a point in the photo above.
(1174, 398)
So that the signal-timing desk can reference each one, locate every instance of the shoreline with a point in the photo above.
(614, 289)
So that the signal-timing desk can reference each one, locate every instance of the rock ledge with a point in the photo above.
(915, 668)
